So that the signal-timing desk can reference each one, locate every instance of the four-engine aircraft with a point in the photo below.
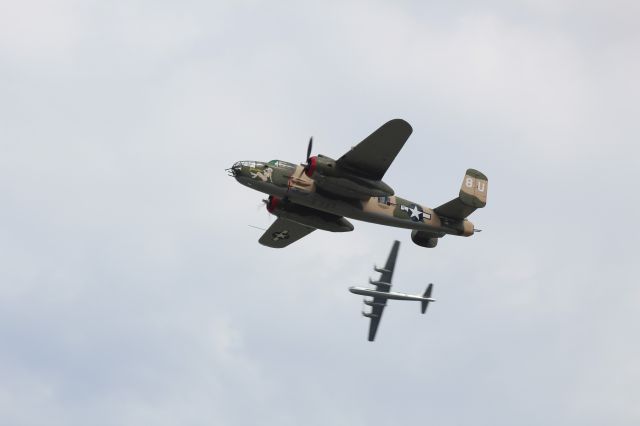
(382, 293)
(322, 192)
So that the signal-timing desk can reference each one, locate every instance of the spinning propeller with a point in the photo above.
(271, 203)
(268, 202)
(310, 165)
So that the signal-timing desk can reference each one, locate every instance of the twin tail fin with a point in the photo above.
(472, 196)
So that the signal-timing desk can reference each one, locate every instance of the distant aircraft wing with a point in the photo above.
(284, 232)
(372, 157)
(378, 304)
(387, 272)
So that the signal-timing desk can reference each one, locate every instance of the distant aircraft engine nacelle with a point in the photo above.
(425, 239)
(307, 216)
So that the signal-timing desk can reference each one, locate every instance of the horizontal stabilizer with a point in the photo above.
(427, 295)
(473, 195)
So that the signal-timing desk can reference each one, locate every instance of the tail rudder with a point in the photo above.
(473, 191)
(473, 195)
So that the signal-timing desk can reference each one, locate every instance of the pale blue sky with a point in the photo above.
(133, 292)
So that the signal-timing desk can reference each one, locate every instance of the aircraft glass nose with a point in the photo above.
(234, 170)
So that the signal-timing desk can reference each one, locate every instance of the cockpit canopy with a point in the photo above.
(262, 164)
(280, 163)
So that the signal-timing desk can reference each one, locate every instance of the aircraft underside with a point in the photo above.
(352, 209)
(322, 192)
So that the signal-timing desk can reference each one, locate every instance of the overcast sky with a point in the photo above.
(133, 292)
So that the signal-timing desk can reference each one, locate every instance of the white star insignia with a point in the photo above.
(416, 213)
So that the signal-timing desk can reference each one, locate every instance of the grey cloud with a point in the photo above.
(132, 290)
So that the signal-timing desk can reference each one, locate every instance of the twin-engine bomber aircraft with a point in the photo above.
(381, 294)
(322, 192)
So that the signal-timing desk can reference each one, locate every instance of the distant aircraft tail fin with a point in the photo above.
(427, 295)
(473, 195)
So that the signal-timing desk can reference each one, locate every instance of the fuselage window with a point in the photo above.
(384, 200)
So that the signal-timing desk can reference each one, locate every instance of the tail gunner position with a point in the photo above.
(322, 192)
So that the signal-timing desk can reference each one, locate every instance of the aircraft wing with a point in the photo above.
(372, 157)
(378, 305)
(383, 284)
(284, 232)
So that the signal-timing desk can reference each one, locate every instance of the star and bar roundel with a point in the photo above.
(280, 235)
(415, 212)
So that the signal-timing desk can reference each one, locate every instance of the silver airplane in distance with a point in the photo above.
(381, 293)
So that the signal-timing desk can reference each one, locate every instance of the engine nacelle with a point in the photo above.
(425, 239)
(272, 204)
(320, 164)
(331, 178)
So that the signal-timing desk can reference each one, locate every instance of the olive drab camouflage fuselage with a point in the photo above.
(321, 194)
(288, 181)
